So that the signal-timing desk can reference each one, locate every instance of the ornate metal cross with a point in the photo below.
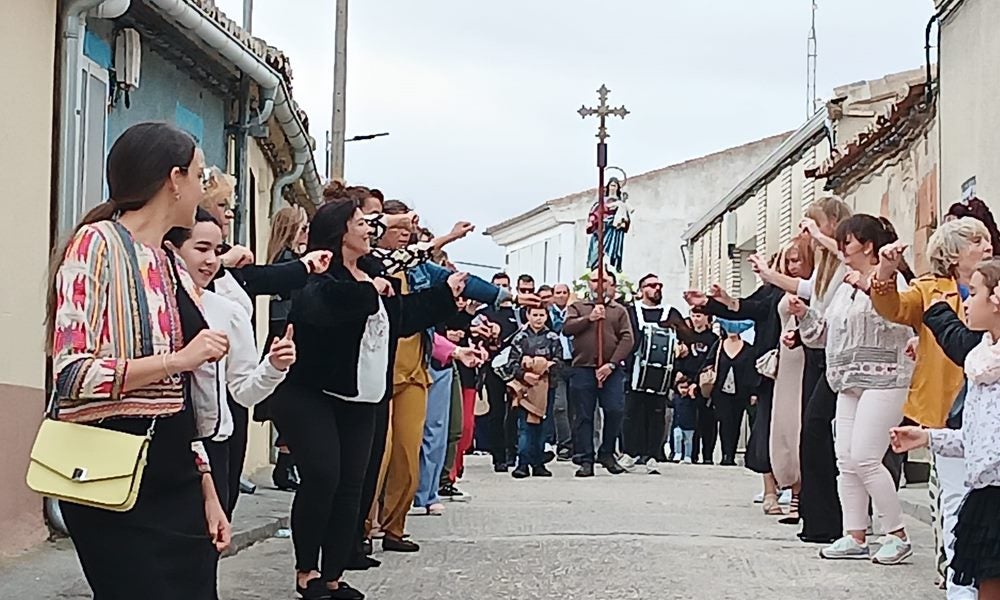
(602, 111)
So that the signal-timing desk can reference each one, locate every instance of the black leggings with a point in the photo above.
(707, 433)
(381, 432)
(496, 419)
(332, 443)
(819, 501)
(645, 426)
(730, 410)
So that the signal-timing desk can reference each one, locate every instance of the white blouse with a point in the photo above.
(978, 441)
(373, 359)
(863, 350)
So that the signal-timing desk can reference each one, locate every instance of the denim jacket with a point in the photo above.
(430, 274)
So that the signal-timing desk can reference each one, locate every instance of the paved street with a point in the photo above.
(690, 533)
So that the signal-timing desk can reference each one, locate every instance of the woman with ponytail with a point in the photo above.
(126, 330)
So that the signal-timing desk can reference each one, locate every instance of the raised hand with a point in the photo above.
(797, 307)
(528, 300)
(383, 287)
(318, 261)
(904, 439)
(236, 257)
(282, 353)
(695, 298)
(456, 281)
(454, 335)
(208, 346)
(890, 258)
(470, 357)
(462, 229)
(809, 226)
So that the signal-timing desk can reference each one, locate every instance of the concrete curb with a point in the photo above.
(259, 532)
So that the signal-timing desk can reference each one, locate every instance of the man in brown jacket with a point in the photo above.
(591, 383)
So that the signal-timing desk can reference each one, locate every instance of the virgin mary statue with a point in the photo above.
(616, 224)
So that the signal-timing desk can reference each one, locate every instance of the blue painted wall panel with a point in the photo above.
(166, 93)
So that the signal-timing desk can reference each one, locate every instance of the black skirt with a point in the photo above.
(977, 538)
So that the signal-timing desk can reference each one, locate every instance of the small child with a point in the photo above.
(535, 355)
(685, 419)
(976, 560)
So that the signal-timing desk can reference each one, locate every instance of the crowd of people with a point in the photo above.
(384, 366)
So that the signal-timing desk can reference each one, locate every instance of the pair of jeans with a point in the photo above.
(530, 441)
(587, 396)
(332, 442)
(645, 425)
(683, 444)
(819, 500)
(434, 446)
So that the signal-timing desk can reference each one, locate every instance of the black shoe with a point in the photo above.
(817, 539)
(708, 461)
(728, 462)
(611, 465)
(315, 589)
(548, 456)
(500, 468)
(449, 490)
(285, 476)
(345, 592)
(520, 472)
(564, 455)
(391, 544)
(585, 470)
(360, 562)
(366, 548)
(540, 471)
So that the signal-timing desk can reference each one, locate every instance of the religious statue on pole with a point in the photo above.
(617, 218)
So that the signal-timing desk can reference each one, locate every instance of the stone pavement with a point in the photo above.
(689, 533)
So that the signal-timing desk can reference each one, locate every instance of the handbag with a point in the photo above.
(767, 365)
(706, 379)
(87, 465)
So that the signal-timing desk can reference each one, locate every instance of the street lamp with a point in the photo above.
(357, 138)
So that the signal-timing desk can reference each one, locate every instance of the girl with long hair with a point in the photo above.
(126, 331)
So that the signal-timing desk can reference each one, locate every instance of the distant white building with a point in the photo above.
(549, 242)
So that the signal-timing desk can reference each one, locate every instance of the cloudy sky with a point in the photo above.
(480, 97)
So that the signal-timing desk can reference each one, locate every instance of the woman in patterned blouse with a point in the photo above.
(125, 331)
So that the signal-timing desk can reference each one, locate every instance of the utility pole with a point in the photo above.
(812, 57)
(335, 166)
(248, 16)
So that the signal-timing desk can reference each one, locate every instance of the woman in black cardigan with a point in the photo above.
(761, 307)
(346, 327)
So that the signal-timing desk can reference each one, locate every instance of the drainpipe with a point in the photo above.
(266, 104)
(270, 84)
(73, 26)
(280, 183)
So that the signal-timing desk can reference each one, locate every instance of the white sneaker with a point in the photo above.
(688, 461)
(759, 498)
(626, 462)
(785, 498)
(894, 551)
(845, 548)
(652, 467)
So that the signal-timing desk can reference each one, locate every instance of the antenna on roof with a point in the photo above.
(811, 55)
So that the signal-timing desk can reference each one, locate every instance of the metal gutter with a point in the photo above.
(813, 128)
(73, 20)
(268, 80)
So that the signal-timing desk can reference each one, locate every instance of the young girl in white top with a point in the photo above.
(240, 371)
(868, 368)
(977, 533)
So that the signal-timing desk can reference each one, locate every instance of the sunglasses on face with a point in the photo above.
(655, 286)
(525, 291)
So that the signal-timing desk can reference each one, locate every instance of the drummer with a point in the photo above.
(646, 414)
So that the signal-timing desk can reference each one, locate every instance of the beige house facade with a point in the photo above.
(29, 35)
(761, 214)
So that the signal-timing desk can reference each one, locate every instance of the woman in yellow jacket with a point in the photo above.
(954, 251)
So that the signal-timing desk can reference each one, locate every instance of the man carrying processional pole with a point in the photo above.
(602, 334)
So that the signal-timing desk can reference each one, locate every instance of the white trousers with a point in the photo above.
(952, 488)
(863, 420)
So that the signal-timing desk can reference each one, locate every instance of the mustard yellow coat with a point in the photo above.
(936, 380)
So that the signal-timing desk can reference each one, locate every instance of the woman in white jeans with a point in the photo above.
(868, 368)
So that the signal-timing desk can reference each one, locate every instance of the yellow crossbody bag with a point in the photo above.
(88, 465)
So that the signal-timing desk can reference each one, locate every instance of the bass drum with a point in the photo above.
(654, 361)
